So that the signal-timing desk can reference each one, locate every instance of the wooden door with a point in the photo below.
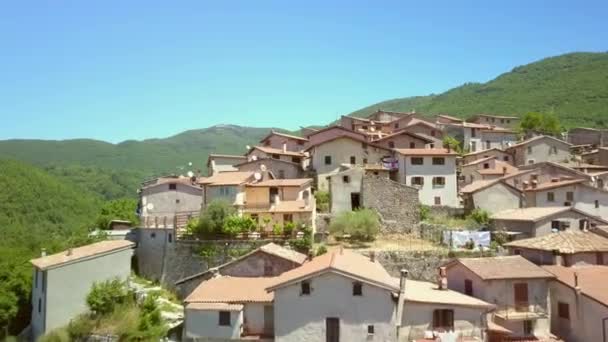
(521, 296)
(332, 329)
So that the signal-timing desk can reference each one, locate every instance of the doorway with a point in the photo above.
(332, 329)
(355, 200)
(521, 297)
(269, 320)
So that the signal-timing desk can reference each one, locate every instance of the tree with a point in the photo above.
(120, 209)
(540, 122)
(361, 225)
(211, 221)
(452, 143)
(106, 296)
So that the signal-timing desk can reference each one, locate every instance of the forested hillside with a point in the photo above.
(573, 86)
(37, 211)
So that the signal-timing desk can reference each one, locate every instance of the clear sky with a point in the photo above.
(117, 70)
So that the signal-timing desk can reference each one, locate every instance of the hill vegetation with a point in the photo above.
(574, 87)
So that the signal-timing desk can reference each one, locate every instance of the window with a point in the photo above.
(486, 165)
(36, 278)
(300, 143)
(305, 288)
(177, 200)
(357, 289)
(563, 310)
(412, 144)
(172, 186)
(550, 197)
(396, 125)
(468, 287)
(39, 305)
(529, 149)
(597, 204)
(225, 190)
(170, 237)
(268, 269)
(276, 156)
(364, 145)
(153, 235)
(417, 161)
(437, 200)
(599, 258)
(364, 161)
(345, 179)
(528, 327)
(600, 183)
(438, 181)
(433, 133)
(570, 196)
(418, 181)
(438, 161)
(364, 127)
(327, 160)
(224, 318)
(391, 144)
(553, 150)
(370, 329)
(443, 319)
(488, 144)
(502, 121)
(555, 225)
(254, 217)
(287, 217)
(296, 160)
(505, 158)
(43, 281)
(473, 146)
(473, 133)
(281, 174)
(353, 160)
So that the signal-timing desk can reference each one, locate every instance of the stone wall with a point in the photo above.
(397, 203)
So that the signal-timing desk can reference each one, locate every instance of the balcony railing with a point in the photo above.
(522, 311)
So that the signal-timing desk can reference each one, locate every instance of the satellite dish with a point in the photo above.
(372, 128)
(189, 163)
(150, 206)
(190, 174)
(248, 147)
(254, 158)
(263, 167)
(257, 176)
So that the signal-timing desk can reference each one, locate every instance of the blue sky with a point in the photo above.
(117, 70)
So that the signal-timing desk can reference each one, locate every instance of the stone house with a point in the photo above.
(576, 193)
(278, 140)
(168, 197)
(493, 195)
(222, 162)
(227, 186)
(269, 260)
(280, 169)
(331, 133)
(372, 129)
(539, 221)
(264, 152)
(579, 304)
(564, 248)
(468, 134)
(498, 138)
(62, 281)
(518, 288)
(328, 156)
(510, 122)
(433, 172)
(484, 169)
(539, 149)
(426, 129)
(588, 136)
(493, 152)
(404, 139)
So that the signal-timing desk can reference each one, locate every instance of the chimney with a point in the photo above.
(402, 280)
(372, 256)
(442, 279)
(534, 184)
(557, 258)
(43, 252)
(526, 184)
(577, 286)
(284, 147)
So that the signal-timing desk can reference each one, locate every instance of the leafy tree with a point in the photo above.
(361, 225)
(323, 199)
(425, 212)
(211, 221)
(452, 143)
(480, 216)
(540, 122)
(235, 224)
(106, 296)
(120, 209)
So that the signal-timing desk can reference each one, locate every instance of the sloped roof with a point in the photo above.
(502, 267)
(403, 131)
(555, 185)
(362, 140)
(568, 242)
(282, 182)
(291, 207)
(335, 127)
(591, 279)
(479, 161)
(262, 160)
(169, 180)
(225, 289)
(289, 136)
(500, 167)
(227, 178)
(426, 152)
(484, 151)
(271, 150)
(483, 184)
(81, 253)
(426, 292)
(214, 306)
(343, 262)
(536, 138)
(532, 214)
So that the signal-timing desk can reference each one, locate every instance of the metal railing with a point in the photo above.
(523, 310)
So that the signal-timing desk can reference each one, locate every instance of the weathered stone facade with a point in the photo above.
(397, 203)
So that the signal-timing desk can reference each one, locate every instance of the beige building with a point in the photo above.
(518, 288)
(264, 152)
(282, 141)
(563, 248)
(484, 169)
(62, 281)
(222, 162)
(511, 122)
(579, 303)
(280, 169)
(226, 186)
(493, 152)
(498, 138)
(165, 198)
(404, 139)
(540, 149)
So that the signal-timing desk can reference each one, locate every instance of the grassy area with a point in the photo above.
(161, 291)
(393, 242)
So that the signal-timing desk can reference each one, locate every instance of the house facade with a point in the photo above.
(281, 169)
(404, 139)
(498, 154)
(62, 281)
(498, 138)
(510, 122)
(264, 152)
(540, 149)
(168, 197)
(222, 162)
(278, 140)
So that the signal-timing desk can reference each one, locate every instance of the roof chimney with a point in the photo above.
(442, 279)
(372, 256)
(284, 147)
(577, 287)
(402, 280)
(43, 252)
(534, 184)
(504, 170)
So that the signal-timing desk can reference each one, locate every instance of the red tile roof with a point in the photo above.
(592, 279)
(289, 136)
(224, 289)
(503, 267)
(426, 152)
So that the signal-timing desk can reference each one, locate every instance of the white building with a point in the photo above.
(62, 281)
(168, 197)
(433, 172)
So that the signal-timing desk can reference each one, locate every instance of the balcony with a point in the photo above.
(522, 311)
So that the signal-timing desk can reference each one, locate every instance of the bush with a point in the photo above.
(80, 327)
(480, 216)
(235, 224)
(323, 199)
(105, 296)
(361, 225)
(425, 212)
(212, 219)
(58, 335)
(277, 229)
(302, 245)
(321, 250)
(288, 228)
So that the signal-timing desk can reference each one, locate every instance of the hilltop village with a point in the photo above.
(393, 227)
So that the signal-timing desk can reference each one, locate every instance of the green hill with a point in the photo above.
(36, 210)
(573, 86)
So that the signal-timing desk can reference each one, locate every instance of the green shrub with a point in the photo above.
(211, 221)
(425, 212)
(80, 327)
(323, 199)
(208, 251)
(192, 225)
(302, 245)
(288, 228)
(480, 216)
(361, 225)
(57, 335)
(277, 229)
(321, 250)
(151, 326)
(235, 224)
(105, 296)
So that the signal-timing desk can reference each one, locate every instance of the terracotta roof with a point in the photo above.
(362, 140)
(80, 253)
(426, 292)
(214, 307)
(335, 127)
(484, 151)
(299, 182)
(592, 279)
(270, 150)
(494, 129)
(538, 137)
(568, 242)
(479, 161)
(554, 185)
(478, 185)
(499, 168)
(261, 160)
(415, 122)
(449, 117)
(169, 180)
(426, 152)
(289, 136)
(502, 267)
(344, 262)
(224, 289)
(227, 178)
(400, 132)
(532, 214)
(291, 207)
